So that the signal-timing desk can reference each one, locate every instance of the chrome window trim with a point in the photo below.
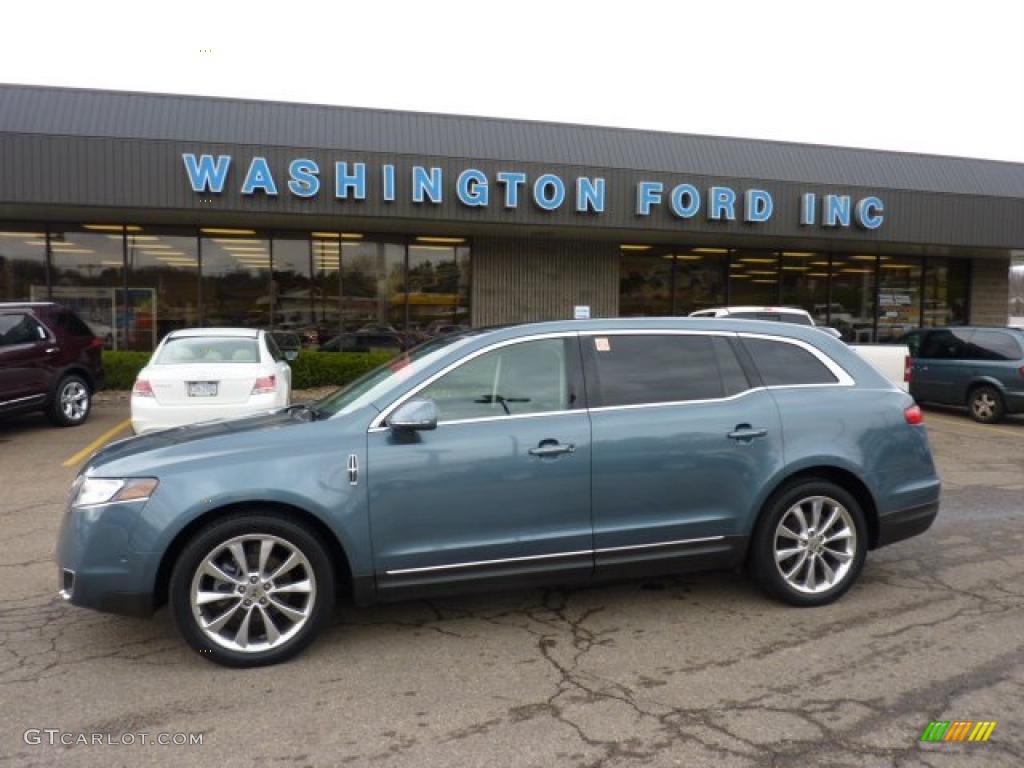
(378, 425)
(525, 558)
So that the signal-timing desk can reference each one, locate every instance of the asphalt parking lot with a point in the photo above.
(701, 670)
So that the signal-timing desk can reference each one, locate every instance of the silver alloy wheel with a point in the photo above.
(815, 543)
(74, 400)
(253, 593)
(984, 405)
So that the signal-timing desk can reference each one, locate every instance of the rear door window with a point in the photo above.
(994, 345)
(782, 364)
(19, 328)
(661, 368)
(945, 345)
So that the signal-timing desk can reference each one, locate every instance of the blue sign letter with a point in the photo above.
(344, 181)
(512, 181)
(589, 195)
(471, 188)
(426, 185)
(304, 182)
(869, 213)
(388, 179)
(722, 204)
(757, 205)
(259, 177)
(207, 174)
(647, 194)
(548, 192)
(684, 201)
(837, 211)
(808, 208)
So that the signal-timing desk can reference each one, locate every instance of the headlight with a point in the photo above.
(105, 490)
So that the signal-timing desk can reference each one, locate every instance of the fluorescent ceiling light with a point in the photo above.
(23, 234)
(75, 250)
(761, 272)
(817, 274)
(752, 260)
(35, 242)
(796, 269)
(710, 250)
(739, 277)
(798, 253)
(112, 227)
(429, 248)
(635, 247)
(221, 231)
(430, 239)
(765, 282)
(239, 240)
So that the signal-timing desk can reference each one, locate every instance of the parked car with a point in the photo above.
(891, 360)
(365, 341)
(564, 451)
(978, 367)
(49, 361)
(202, 374)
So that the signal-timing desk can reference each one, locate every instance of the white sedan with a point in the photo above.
(202, 374)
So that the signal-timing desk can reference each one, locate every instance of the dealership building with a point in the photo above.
(152, 212)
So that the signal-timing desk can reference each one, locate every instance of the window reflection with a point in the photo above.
(805, 284)
(22, 264)
(945, 291)
(754, 278)
(163, 290)
(87, 274)
(699, 278)
(645, 283)
(236, 279)
(899, 296)
(852, 310)
(293, 287)
(435, 292)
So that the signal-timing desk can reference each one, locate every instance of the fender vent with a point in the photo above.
(353, 469)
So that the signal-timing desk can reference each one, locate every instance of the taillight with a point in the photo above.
(142, 388)
(265, 385)
(1021, 371)
(907, 368)
(96, 343)
(913, 415)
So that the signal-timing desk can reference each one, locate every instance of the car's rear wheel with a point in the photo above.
(251, 590)
(810, 545)
(986, 404)
(71, 403)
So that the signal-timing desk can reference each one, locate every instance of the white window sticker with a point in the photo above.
(602, 344)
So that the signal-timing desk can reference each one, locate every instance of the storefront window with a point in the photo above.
(645, 282)
(1017, 289)
(945, 291)
(699, 278)
(899, 297)
(753, 278)
(434, 290)
(87, 274)
(852, 309)
(163, 284)
(22, 263)
(373, 286)
(804, 284)
(293, 288)
(236, 278)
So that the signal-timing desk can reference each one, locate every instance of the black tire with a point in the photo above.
(986, 405)
(765, 542)
(71, 403)
(209, 540)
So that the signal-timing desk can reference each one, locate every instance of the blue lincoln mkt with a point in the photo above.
(556, 452)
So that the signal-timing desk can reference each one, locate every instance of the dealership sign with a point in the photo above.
(473, 188)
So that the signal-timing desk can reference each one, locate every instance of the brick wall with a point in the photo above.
(990, 285)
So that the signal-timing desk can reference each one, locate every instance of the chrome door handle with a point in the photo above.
(551, 448)
(746, 432)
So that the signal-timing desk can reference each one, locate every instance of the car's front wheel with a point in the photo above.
(810, 545)
(251, 590)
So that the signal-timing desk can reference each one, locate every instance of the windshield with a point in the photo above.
(186, 350)
(373, 385)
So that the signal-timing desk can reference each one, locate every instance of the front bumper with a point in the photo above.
(95, 568)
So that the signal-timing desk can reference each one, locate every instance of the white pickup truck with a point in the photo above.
(891, 360)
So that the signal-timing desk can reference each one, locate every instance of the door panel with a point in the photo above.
(671, 473)
(472, 492)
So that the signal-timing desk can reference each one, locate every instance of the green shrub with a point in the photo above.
(311, 369)
(121, 368)
(333, 369)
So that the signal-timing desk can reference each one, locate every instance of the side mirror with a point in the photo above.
(414, 415)
(291, 354)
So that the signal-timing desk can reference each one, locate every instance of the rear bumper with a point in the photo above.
(149, 416)
(906, 523)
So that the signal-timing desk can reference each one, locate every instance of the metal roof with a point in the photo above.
(118, 114)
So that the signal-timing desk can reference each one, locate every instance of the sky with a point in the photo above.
(926, 76)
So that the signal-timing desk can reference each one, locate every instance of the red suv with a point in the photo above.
(49, 361)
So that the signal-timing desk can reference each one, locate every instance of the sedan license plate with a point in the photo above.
(202, 389)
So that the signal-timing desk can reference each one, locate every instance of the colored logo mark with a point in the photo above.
(958, 730)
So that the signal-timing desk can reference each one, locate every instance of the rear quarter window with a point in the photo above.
(994, 345)
(782, 364)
